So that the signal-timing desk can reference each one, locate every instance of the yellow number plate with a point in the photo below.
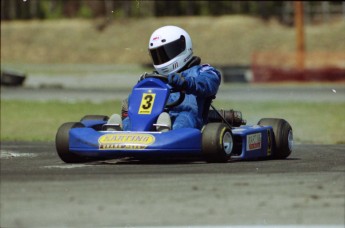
(147, 103)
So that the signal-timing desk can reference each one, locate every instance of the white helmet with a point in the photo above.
(170, 48)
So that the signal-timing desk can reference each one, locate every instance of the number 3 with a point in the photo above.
(148, 99)
(147, 102)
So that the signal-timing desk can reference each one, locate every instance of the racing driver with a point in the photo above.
(171, 50)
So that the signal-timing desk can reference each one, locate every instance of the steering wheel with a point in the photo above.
(164, 78)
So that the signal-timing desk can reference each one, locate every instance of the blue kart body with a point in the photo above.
(147, 101)
(250, 142)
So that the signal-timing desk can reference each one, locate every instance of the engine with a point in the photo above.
(234, 118)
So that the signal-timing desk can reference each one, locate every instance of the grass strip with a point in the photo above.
(316, 123)
(39, 121)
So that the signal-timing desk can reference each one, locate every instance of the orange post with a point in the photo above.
(300, 46)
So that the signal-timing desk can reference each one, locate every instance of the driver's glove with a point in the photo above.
(177, 81)
(142, 77)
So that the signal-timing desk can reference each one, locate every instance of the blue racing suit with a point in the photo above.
(202, 83)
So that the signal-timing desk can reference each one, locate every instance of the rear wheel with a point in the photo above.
(217, 142)
(283, 137)
(62, 143)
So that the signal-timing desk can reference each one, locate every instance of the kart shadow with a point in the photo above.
(150, 161)
(264, 159)
(176, 161)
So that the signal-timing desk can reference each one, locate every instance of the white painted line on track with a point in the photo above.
(65, 166)
(7, 154)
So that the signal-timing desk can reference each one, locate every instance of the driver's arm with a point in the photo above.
(206, 83)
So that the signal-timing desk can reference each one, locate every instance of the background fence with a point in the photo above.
(317, 66)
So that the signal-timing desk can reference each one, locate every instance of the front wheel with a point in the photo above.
(283, 137)
(217, 142)
(62, 143)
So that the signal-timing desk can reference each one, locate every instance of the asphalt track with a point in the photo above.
(39, 190)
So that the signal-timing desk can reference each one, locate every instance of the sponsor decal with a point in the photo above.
(156, 38)
(125, 141)
(175, 65)
(165, 70)
(146, 104)
(188, 57)
(254, 141)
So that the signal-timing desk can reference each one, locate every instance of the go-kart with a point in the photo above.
(225, 136)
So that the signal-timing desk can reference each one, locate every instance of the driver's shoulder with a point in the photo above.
(198, 69)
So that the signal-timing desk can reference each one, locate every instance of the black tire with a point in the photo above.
(217, 142)
(283, 137)
(12, 78)
(62, 143)
(95, 117)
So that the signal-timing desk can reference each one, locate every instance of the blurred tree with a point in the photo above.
(51, 9)
(85, 11)
(70, 8)
(31, 9)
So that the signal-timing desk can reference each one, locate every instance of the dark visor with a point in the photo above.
(168, 51)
